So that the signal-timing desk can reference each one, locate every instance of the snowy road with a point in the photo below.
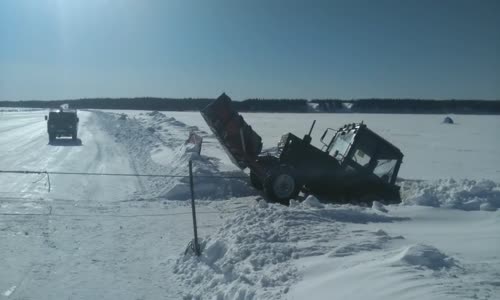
(86, 238)
(26, 148)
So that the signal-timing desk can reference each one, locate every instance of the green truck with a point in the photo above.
(62, 123)
(354, 165)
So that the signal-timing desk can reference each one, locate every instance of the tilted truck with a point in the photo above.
(355, 165)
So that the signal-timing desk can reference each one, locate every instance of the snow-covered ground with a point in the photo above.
(124, 237)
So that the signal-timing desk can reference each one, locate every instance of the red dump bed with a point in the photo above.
(238, 139)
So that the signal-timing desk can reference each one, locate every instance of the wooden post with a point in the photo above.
(193, 209)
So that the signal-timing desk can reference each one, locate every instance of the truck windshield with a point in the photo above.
(340, 145)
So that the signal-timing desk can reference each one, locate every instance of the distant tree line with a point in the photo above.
(272, 105)
(426, 106)
(414, 106)
(146, 103)
(278, 105)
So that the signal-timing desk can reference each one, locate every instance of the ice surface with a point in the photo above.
(124, 238)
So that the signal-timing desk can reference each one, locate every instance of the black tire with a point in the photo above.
(73, 136)
(281, 185)
(255, 181)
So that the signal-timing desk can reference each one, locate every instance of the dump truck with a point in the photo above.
(63, 122)
(354, 164)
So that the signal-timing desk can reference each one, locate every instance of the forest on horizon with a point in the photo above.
(374, 105)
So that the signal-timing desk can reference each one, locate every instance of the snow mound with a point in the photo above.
(156, 144)
(379, 206)
(249, 258)
(355, 214)
(153, 113)
(460, 194)
(252, 255)
(448, 120)
(312, 201)
(426, 256)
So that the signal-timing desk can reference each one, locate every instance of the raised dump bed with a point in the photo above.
(240, 142)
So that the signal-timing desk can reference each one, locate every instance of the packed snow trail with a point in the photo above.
(90, 237)
(25, 146)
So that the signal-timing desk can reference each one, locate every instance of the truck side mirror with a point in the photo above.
(45, 118)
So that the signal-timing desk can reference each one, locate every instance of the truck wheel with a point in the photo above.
(281, 185)
(255, 181)
(52, 137)
(73, 136)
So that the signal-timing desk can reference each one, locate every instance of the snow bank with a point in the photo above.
(156, 144)
(460, 194)
(249, 258)
(426, 256)
(374, 241)
(312, 201)
(252, 256)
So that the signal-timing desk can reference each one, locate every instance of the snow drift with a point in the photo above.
(426, 256)
(252, 255)
(157, 144)
(460, 194)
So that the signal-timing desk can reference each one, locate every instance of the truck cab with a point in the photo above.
(357, 147)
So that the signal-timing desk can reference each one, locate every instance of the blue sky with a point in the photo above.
(61, 49)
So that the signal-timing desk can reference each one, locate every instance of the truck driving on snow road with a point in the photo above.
(355, 165)
(62, 123)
